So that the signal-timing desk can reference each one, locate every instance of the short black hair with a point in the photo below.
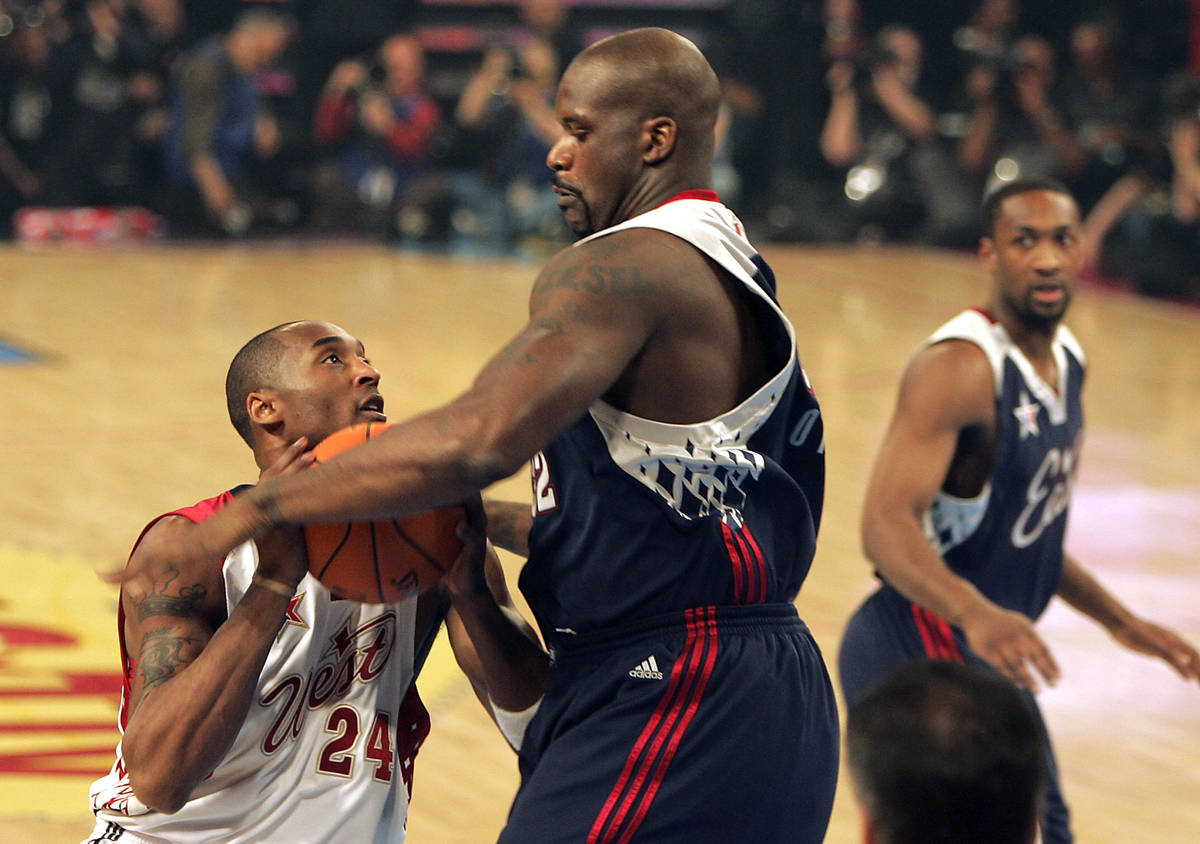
(253, 368)
(942, 752)
(994, 199)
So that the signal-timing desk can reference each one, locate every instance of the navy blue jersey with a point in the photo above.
(1008, 541)
(636, 518)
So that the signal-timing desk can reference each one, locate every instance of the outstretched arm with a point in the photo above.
(592, 310)
(1083, 592)
(947, 389)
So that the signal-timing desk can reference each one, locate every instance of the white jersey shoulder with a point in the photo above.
(315, 759)
(990, 336)
(699, 469)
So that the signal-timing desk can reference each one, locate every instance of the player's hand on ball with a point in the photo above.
(281, 555)
(1010, 643)
(467, 575)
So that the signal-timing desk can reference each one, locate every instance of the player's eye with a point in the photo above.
(332, 357)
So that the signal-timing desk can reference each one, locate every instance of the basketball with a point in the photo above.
(385, 561)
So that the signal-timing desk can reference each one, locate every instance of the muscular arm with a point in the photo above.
(947, 389)
(592, 310)
(1084, 593)
(195, 675)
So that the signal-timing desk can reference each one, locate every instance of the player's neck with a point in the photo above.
(1034, 337)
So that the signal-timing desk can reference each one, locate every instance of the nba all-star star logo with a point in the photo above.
(1027, 415)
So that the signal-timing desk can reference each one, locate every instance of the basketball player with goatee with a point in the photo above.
(966, 509)
(678, 470)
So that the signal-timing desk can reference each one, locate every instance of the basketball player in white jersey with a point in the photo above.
(255, 707)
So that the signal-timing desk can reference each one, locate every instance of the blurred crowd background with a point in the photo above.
(427, 122)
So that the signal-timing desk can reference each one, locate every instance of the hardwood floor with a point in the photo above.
(120, 416)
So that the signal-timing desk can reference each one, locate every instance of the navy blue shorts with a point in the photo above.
(889, 630)
(717, 724)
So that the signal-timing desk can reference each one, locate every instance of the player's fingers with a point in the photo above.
(1186, 661)
(1018, 671)
(1045, 663)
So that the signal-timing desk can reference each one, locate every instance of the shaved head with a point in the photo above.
(254, 367)
(655, 72)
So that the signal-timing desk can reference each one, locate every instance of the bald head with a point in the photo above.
(655, 72)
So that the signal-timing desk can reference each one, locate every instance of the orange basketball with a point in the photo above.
(386, 561)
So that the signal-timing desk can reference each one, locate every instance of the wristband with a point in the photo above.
(273, 585)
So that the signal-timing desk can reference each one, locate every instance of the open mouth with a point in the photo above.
(374, 406)
(1048, 293)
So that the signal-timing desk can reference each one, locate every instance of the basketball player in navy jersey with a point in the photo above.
(967, 505)
(678, 468)
(245, 682)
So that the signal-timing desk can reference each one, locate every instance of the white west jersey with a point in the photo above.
(325, 753)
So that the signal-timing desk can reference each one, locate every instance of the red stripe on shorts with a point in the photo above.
(666, 727)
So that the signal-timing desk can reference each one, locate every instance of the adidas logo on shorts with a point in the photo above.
(648, 670)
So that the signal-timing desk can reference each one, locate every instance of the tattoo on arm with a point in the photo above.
(517, 349)
(161, 656)
(159, 603)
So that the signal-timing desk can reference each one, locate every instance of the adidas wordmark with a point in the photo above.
(648, 670)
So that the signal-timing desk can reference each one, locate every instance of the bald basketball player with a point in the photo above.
(246, 684)
(677, 454)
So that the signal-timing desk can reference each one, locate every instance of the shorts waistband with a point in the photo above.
(729, 619)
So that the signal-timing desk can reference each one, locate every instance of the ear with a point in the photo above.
(265, 410)
(987, 252)
(658, 139)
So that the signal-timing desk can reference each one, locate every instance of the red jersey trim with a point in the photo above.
(706, 195)
(197, 513)
(984, 313)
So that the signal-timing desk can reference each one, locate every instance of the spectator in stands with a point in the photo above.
(161, 28)
(1018, 123)
(768, 56)
(107, 87)
(549, 21)
(1112, 105)
(30, 117)
(1146, 227)
(377, 118)
(946, 753)
(217, 128)
(880, 132)
(493, 190)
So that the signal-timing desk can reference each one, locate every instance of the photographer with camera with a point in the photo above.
(218, 127)
(376, 117)
(1017, 125)
(882, 133)
(1146, 226)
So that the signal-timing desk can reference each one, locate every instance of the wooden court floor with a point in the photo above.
(111, 372)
